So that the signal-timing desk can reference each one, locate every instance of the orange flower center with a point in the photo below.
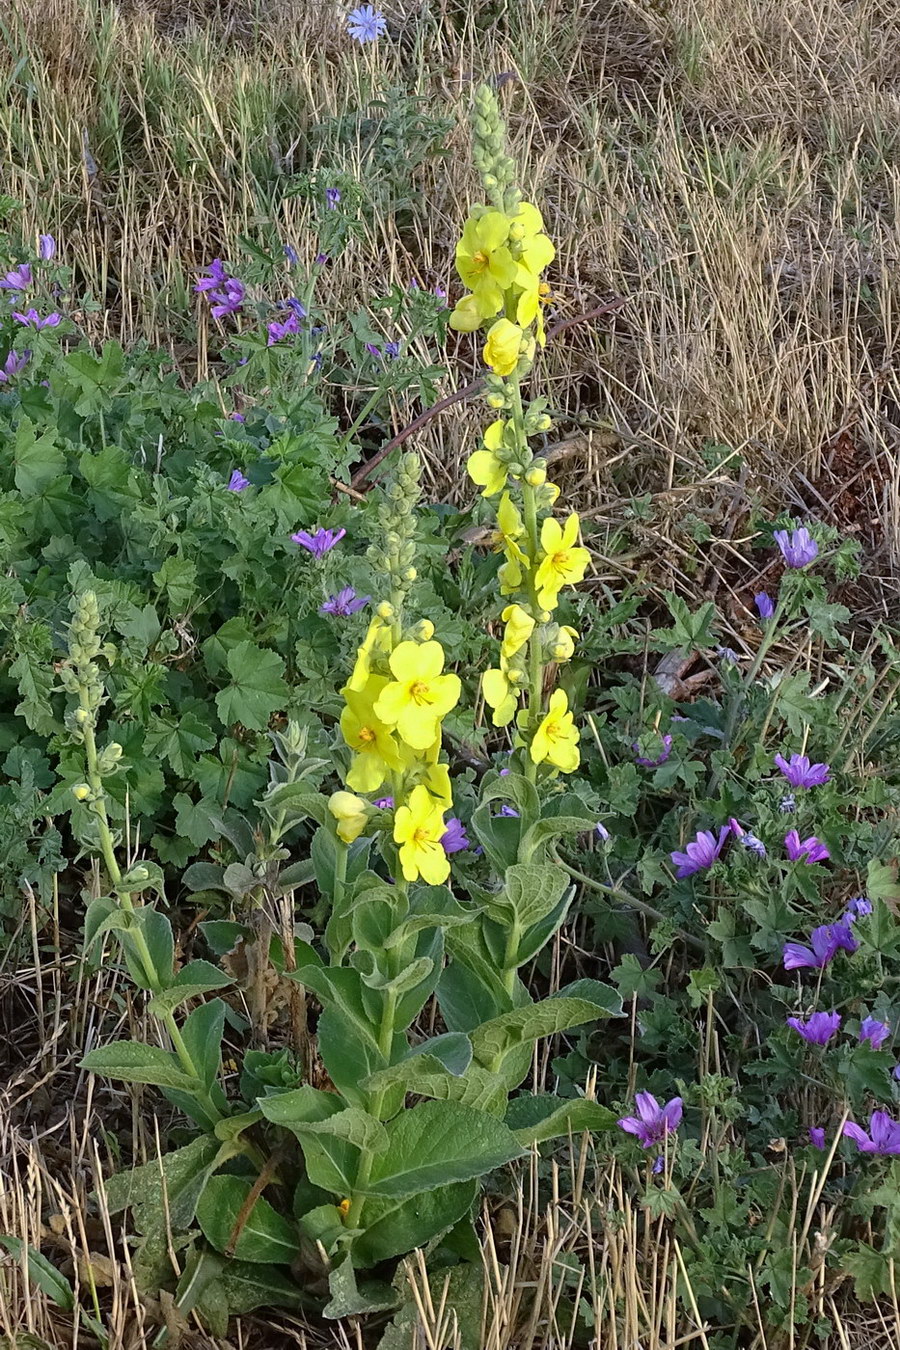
(366, 735)
(480, 259)
(418, 691)
(560, 559)
(421, 836)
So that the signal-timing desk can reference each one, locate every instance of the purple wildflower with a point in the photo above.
(797, 548)
(666, 749)
(366, 24)
(858, 908)
(825, 942)
(277, 331)
(17, 278)
(392, 350)
(748, 840)
(788, 803)
(296, 306)
(31, 319)
(454, 839)
(440, 291)
(765, 605)
(883, 1136)
(600, 830)
(507, 810)
(652, 1122)
(320, 543)
(372, 349)
(217, 276)
(229, 299)
(817, 1136)
(658, 1165)
(818, 1029)
(800, 773)
(14, 365)
(320, 259)
(896, 1073)
(873, 1031)
(727, 654)
(810, 850)
(701, 852)
(236, 417)
(332, 197)
(291, 254)
(46, 247)
(237, 482)
(345, 603)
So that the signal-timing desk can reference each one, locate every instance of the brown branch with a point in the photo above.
(611, 307)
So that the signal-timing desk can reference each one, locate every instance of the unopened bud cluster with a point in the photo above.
(81, 674)
(397, 518)
(497, 168)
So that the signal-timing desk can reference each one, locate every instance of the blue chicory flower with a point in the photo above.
(652, 1122)
(366, 24)
(46, 247)
(701, 852)
(800, 773)
(765, 605)
(320, 543)
(883, 1136)
(454, 839)
(798, 548)
(345, 603)
(873, 1031)
(818, 1029)
(810, 850)
(825, 943)
(237, 482)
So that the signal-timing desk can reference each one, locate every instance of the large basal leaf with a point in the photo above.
(437, 1143)
(350, 1298)
(494, 1040)
(266, 1237)
(534, 1119)
(136, 1063)
(165, 1190)
(257, 687)
(460, 1288)
(245, 1286)
(607, 1000)
(395, 1225)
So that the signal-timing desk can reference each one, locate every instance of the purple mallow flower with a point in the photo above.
(817, 1136)
(818, 1029)
(366, 24)
(454, 839)
(825, 942)
(31, 319)
(229, 299)
(748, 840)
(345, 603)
(507, 810)
(384, 803)
(216, 278)
(392, 350)
(17, 278)
(699, 853)
(291, 254)
(797, 548)
(873, 1031)
(14, 365)
(765, 605)
(652, 1122)
(858, 908)
(46, 247)
(665, 751)
(810, 850)
(277, 331)
(237, 482)
(800, 773)
(320, 259)
(658, 1165)
(883, 1136)
(320, 543)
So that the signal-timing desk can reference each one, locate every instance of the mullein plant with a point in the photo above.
(354, 1175)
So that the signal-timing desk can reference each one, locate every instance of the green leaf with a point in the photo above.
(881, 882)
(494, 1040)
(41, 1272)
(428, 1077)
(165, 1190)
(302, 1106)
(257, 687)
(267, 1237)
(37, 459)
(178, 578)
(534, 1119)
(194, 979)
(202, 1031)
(137, 1063)
(436, 1143)
(178, 740)
(348, 1299)
(247, 1287)
(552, 827)
(396, 1225)
(532, 890)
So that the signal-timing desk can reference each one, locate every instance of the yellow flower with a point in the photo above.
(564, 563)
(556, 739)
(519, 628)
(376, 751)
(436, 775)
(484, 468)
(501, 692)
(484, 262)
(564, 647)
(418, 829)
(419, 695)
(501, 351)
(377, 638)
(467, 315)
(351, 814)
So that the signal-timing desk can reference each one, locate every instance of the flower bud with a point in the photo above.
(424, 630)
(385, 610)
(351, 814)
(82, 716)
(81, 792)
(495, 401)
(410, 574)
(536, 475)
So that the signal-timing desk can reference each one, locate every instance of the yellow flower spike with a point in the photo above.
(501, 351)
(484, 262)
(376, 752)
(419, 695)
(564, 562)
(377, 638)
(483, 466)
(556, 739)
(418, 829)
(351, 814)
(510, 529)
(519, 628)
(467, 315)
